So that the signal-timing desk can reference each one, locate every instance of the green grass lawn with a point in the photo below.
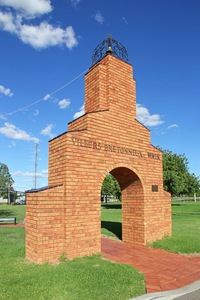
(89, 278)
(18, 211)
(185, 229)
(185, 226)
(111, 219)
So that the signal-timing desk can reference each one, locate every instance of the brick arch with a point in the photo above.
(132, 203)
(119, 165)
(65, 217)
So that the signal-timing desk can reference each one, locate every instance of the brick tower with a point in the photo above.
(65, 217)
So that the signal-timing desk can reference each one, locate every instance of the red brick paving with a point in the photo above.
(163, 270)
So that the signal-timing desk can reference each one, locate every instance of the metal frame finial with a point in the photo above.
(109, 46)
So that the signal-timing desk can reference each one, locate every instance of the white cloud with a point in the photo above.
(11, 131)
(42, 174)
(47, 131)
(124, 20)
(69, 37)
(3, 117)
(145, 118)
(65, 103)
(79, 113)
(47, 97)
(45, 35)
(39, 36)
(5, 91)
(36, 113)
(25, 180)
(12, 144)
(30, 7)
(172, 126)
(7, 22)
(99, 18)
(75, 2)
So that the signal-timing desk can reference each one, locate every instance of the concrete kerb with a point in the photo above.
(173, 294)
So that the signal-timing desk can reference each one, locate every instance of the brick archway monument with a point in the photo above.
(65, 217)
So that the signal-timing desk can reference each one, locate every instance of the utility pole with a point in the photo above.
(36, 164)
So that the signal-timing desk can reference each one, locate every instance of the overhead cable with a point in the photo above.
(43, 98)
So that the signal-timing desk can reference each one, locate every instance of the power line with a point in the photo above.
(49, 95)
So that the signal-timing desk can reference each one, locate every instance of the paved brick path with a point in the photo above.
(163, 270)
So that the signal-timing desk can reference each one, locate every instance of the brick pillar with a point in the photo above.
(45, 225)
(110, 85)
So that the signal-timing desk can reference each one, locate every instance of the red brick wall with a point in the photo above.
(108, 138)
(45, 226)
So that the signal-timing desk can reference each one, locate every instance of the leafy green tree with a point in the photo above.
(193, 185)
(6, 180)
(111, 187)
(177, 179)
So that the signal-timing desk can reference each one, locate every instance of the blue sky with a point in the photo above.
(46, 48)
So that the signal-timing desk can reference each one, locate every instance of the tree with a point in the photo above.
(6, 180)
(193, 185)
(177, 179)
(110, 187)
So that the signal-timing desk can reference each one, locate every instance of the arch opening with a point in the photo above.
(111, 207)
(127, 221)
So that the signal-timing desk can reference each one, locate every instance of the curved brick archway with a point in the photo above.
(131, 185)
(64, 218)
(132, 205)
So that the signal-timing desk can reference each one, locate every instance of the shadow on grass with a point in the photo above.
(6, 213)
(111, 206)
(186, 214)
(176, 204)
(114, 227)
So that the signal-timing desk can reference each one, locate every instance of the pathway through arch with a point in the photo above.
(163, 270)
